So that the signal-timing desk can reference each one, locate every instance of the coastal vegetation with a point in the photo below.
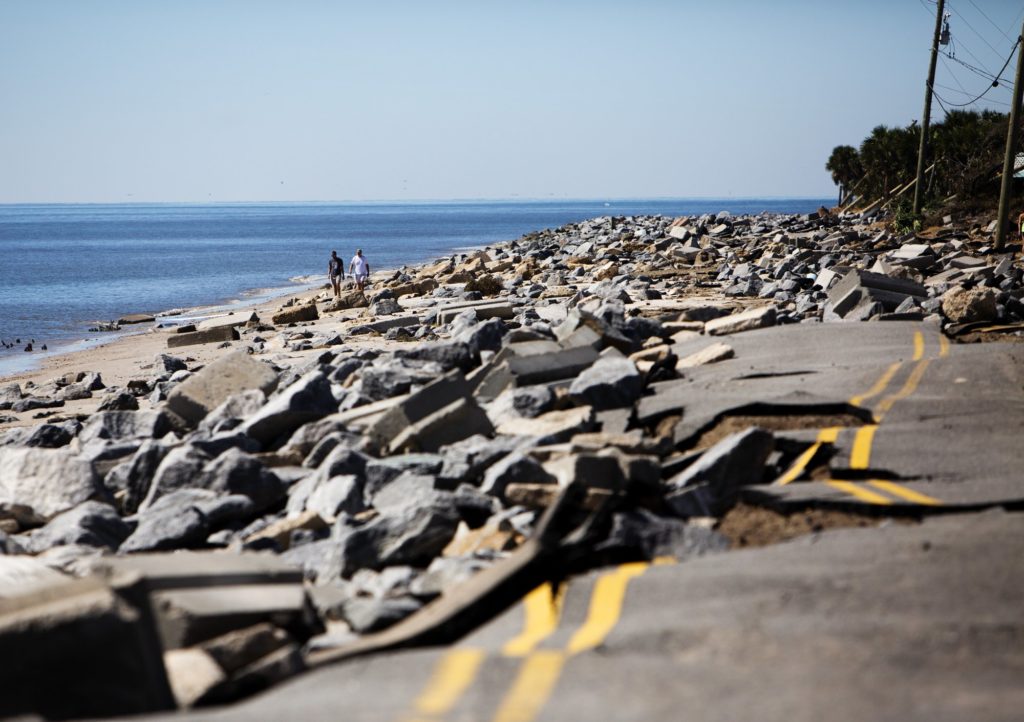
(965, 160)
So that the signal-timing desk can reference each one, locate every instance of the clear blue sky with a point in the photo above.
(110, 101)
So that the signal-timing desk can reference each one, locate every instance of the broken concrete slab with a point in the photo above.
(484, 311)
(188, 569)
(79, 649)
(456, 421)
(708, 355)
(413, 408)
(553, 427)
(745, 321)
(213, 335)
(296, 314)
(188, 616)
(711, 485)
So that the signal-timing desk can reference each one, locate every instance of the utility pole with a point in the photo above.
(922, 150)
(1009, 161)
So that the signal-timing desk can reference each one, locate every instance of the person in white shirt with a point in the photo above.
(359, 268)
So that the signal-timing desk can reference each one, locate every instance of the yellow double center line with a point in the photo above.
(860, 453)
(541, 668)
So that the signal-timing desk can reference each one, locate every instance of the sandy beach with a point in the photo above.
(131, 355)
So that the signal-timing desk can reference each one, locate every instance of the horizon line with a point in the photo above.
(411, 201)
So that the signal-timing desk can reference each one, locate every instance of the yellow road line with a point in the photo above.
(918, 346)
(861, 493)
(860, 454)
(908, 388)
(905, 493)
(533, 686)
(459, 667)
(543, 607)
(943, 345)
(829, 435)
(879, 386)
(453, 675)
(798, 467)
(605, 607)
(540, 671)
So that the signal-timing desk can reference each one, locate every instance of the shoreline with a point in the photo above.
(21, 362)
(128, 353)
(21, 365)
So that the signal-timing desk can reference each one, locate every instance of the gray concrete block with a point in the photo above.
(213, 335)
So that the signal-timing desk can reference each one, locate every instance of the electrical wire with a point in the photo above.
(976, 59)
(953, 9)
(1008, 38)
(964, 92)
(977, 71)
(995, 82)
(953, 76)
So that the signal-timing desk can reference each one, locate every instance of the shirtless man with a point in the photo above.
(360, 269)
(335, 270)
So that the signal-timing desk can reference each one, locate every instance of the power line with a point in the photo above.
(975, 58)
(964, 92)
(977, 71)
(995, 82)
(1008, 38)
(974, 31)
(955, 79)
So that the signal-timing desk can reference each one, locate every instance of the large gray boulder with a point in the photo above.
(341, 462)
(48, 481)
(411, 535)
(91, 523)
(612, 382)
(184, 519)
(124, 426)
(179, 468)
(308, 399)
(235, 472)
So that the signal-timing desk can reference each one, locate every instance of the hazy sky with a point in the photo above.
(105, 101)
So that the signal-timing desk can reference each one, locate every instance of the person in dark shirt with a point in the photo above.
(336, 271)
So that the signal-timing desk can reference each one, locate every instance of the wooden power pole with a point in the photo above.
(1009, 161)
(922, 150)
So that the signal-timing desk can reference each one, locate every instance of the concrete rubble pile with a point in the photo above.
(195, 538)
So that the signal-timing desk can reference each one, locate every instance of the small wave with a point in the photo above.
(312, 278)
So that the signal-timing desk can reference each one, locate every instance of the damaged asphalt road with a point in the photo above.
(918, 619)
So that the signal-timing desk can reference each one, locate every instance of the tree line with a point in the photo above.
(967, 149)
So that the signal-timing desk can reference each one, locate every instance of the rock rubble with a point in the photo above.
(305, 482)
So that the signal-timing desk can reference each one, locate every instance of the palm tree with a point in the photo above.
(844, 165)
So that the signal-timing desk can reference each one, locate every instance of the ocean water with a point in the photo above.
(65, 267)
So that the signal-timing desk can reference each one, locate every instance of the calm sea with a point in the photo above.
(65, 267)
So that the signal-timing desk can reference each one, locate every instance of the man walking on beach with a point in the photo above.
(335, 270)
(360, 269)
